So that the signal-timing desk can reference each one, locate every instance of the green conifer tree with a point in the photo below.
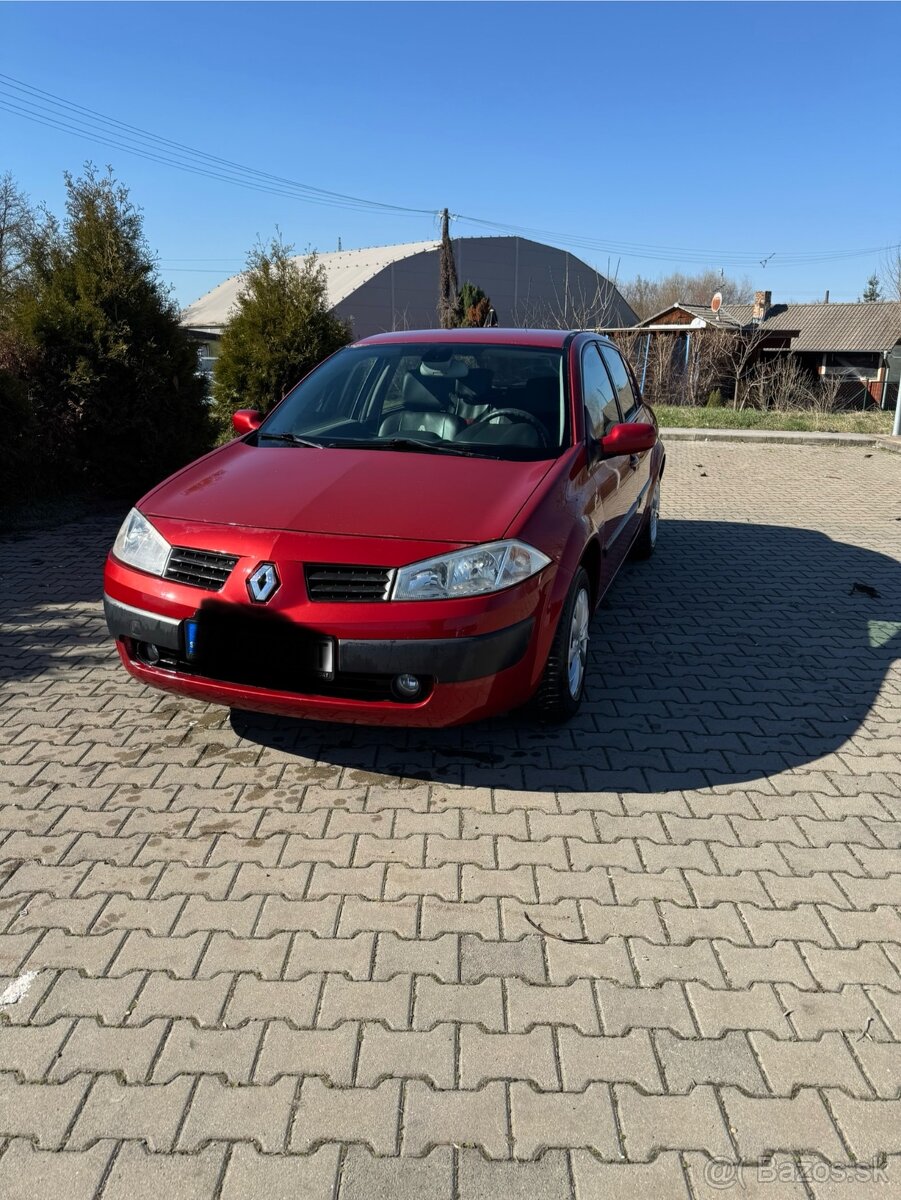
(282, 327)
(117, 397)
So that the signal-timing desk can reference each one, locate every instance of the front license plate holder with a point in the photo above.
(311, 653)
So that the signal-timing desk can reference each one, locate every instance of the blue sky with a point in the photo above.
(717, 133)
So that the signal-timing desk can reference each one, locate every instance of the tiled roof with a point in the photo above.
(823, 327)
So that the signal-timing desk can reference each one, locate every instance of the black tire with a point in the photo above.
(646, 542)
(554, 701)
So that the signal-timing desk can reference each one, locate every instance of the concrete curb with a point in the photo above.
(777, 437)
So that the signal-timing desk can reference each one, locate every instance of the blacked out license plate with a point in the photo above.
(230, 648)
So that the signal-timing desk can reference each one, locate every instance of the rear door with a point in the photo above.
(635, 478)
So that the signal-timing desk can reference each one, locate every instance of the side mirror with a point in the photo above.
(246, 420)
(628, 438)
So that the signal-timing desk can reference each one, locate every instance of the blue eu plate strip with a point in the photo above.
(190, 639)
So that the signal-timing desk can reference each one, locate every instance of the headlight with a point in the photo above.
(140, 545)
(488, 568)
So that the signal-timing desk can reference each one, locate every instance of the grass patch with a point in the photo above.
(879, 422)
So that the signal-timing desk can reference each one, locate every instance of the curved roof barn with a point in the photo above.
(386, 288)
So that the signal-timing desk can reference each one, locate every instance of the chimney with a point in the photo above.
(826, 298)
(762, 302)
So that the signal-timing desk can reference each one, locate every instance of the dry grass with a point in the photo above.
(879, 422)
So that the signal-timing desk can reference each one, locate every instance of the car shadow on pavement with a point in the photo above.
(738, 652)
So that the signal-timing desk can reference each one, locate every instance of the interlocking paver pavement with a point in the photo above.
(654, 952)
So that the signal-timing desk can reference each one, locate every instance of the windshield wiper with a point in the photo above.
(410, 444)
(294, 439)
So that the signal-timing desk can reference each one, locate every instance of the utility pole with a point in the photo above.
(447, 283)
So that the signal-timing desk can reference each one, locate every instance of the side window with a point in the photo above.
(601, 405)
(622, 381)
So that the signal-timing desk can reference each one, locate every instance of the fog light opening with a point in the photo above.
(406, 687)
(148, 653)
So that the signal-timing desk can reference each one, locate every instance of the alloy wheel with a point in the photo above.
(578, 643)
(654, 516)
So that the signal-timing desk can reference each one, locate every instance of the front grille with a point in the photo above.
(199, 568)
(336, 582)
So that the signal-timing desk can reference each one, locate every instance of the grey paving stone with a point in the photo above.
(281, 1177)
(365, 1177)
(522, 959)
(654, 1123)
(596, 1180)
(28, 1172)
(138, 1175)
(724, 1060)
(547, 1179)
(764, 1125)
(542, 1120)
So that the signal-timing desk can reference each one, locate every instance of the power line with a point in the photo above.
(55, 112)
(46, 108)
(640, 250)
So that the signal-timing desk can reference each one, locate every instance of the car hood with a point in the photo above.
(370, 493)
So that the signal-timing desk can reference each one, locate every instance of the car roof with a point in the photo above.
(552, 339)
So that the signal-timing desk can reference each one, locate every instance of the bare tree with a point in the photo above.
(708, 363)
(688, 366)
(681, 366)
(649, 296)
(891, 275)
(571, 307)
(741, 349)
(827, 396)
(780, 382)
(17, 227)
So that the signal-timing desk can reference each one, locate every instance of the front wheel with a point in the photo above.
(562, 685)
(644, 544)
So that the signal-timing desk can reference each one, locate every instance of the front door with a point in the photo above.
(635, 482)
(608, 479)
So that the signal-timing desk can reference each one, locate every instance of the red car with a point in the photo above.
(417, 534)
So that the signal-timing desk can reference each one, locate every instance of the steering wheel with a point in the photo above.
(514, 412)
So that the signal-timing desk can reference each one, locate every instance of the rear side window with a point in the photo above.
(601, 405)
(622, 381)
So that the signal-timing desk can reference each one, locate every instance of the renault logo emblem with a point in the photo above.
(263, 583)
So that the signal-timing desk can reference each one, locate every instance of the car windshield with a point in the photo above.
(480, 400)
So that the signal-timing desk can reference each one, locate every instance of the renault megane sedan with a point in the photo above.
(417, 534)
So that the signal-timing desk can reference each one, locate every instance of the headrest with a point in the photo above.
(442, 362)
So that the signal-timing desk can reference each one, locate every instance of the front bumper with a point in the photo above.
(464, 678)
(446, 660)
